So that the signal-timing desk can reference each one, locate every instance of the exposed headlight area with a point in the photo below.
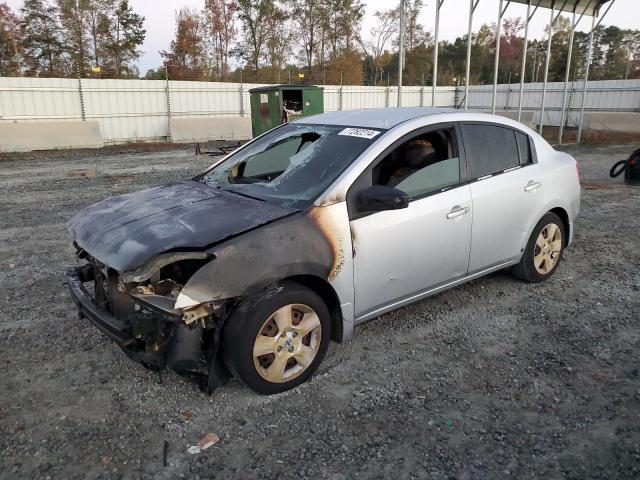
(141, 315)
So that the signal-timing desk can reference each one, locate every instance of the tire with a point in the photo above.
(531, 269)
(257, 325)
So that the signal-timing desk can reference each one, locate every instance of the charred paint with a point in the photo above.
(126, 231)
(326, 222)
(248, 263)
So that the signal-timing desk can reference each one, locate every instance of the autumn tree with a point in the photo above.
(185, 59)
(10, 41)
(510, 49)
(219, 24)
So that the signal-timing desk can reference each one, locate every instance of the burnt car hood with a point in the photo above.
(124, 232)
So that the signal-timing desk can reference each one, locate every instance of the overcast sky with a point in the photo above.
(159, 19)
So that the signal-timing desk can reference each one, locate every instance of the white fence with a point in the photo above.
(139, 110)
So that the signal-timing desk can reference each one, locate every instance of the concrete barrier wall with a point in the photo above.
(27, 136)
(623, 122)
(203, 129)
(528, 118)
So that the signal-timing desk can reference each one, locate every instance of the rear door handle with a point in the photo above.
(458, 211)
(531, 186)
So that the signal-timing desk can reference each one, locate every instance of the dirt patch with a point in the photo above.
(82, 173)
(493, 379)
(120, 178)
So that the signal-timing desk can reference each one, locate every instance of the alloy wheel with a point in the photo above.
(547, 250)
(287, 343)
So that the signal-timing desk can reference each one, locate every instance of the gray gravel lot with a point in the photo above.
(493, 379)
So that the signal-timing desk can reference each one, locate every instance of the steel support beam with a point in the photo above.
(472, 8)
(496, 61)
(574, 24)
(401, 53)
(434, 81)
(594, 25)
(546, 69)
(524, 55)
(566, 77)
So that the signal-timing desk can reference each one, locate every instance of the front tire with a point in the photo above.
(543, 253)
(275, 341)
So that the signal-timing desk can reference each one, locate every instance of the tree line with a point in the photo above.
(309, 41)
(69, 38)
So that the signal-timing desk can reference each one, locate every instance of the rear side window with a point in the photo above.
(524, 148)
(490, 149)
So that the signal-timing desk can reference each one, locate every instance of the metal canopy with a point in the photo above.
(592, 7)
(578, 9)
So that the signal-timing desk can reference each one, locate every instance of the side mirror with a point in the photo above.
(378, 198)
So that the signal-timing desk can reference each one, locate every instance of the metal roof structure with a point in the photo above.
(578, 9)
(589, 7)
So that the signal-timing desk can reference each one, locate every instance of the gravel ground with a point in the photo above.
(492, 379)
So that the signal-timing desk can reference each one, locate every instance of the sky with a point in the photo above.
(159, 19)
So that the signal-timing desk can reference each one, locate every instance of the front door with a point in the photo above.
(401, 253)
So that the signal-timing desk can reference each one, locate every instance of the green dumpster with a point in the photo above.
(277, 104)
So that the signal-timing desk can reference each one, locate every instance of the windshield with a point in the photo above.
(291, 165)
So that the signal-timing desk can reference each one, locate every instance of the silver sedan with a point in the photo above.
(252, 267)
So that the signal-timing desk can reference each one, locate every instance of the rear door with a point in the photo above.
(505, 185)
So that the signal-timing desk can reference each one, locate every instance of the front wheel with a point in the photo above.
(275, 341)
(544, 250)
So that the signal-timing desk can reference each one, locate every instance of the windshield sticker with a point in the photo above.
(359, 132)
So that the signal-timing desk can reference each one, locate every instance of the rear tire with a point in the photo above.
(275, 341)
(543, 253)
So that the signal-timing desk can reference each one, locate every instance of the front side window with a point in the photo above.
(422, 165)
(490, 149)
(291, 165)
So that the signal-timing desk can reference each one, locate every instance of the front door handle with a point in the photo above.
(457, 211)
(531, 186)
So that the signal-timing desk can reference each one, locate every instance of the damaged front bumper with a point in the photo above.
(154, 333)
(115, 329)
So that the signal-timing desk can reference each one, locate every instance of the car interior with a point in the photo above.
(423, 164)
(272, 162)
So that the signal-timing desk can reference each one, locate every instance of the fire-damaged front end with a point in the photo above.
(142, 319)
(162, 269)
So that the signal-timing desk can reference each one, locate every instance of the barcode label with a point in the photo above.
(359, 132)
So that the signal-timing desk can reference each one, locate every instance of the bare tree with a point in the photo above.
(379, 38)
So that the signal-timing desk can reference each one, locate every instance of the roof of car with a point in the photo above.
(374, 117)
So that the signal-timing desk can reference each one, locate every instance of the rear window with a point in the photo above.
(490, 149)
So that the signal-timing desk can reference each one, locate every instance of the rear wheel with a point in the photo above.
(276, 341)
(544, 250)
